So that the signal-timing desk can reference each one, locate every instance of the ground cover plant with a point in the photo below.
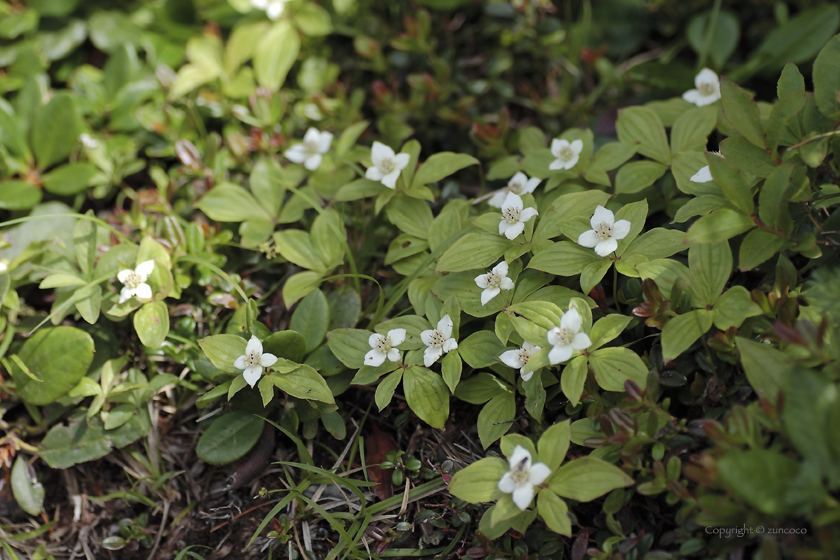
(444, 278)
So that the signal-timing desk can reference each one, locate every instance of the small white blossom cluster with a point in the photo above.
(514, 216)
(134, 281)
(384, 346)
(523, 477)
(438, 341)
(387, 165)
(708, 89)
(254, 361)
(310, 152)
(566, 338)
(493, 282)
(605, 232)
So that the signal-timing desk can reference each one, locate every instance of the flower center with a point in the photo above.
(524, 356)
(515, 187)
(383, 345)
(311, 146)
(565, 153)
(564, 335)
(252, 359)
(706, 88)
(387, 165)
(493, 280)
(437, 339)
(133, 280)
(519, 474)
(604, 230)
(511, 214)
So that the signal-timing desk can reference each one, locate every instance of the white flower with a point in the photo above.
(567, 338)
(309, 152)
(567, 154)
(708, 89)
(135, 281)
(514, 217)
(494, 282)
(518, 184)
(386, 165)
(704, 175)
(3, 267)
(273, 8)
(438, 340)
(605, 232)
(522, 477)
(518, 359)
(384, 346)
(87, 140)
(254, 361)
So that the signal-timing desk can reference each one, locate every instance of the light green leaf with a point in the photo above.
(555, 513)
(692, 129)
(275, 55)
(641, 128)
(296, 246)
(55, 130)
(496, 418)
(349, 346)
(573, 378)
(746, 156)
(637, 176)
(732, 182)
(410, 215)
(586, 479)
(304, 383)
(231, 203)
(613, 366)
(767, 368)
(480, 388)
(427, 395)
(313, 20)
(223, 349)
(711, 266)
(827, 79)
(69, 179)
(479, 481)
(720, 225)
(152, 323)
(607, 329)
(385, 389)
(229, 437)
(733, 307)
(564, 259)
(19, 195)
(758, 246)
(441, 165)
(480, 349)
(473, 251)
(311, 319)
(683, 330)
(760, 477)
(741, 112)
(554, 443)
(28, 492)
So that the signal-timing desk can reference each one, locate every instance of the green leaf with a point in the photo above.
(607, 329)
(242, 44)
(496, 418)
(427, 395)
(289, 345)
(473, 251)
(746, 156)
(65, 446)
(313, 20)
(28, 492)
(69, 179)
(275, 55)
(657, 243)
(613, 366)
(564, 259)
(555, 513)
(692, 129)
(732, 182)
(266, 182)
(741, 112)
(480, 388)
(766, 368)
(565, 211)
(758, 246)
(800, 38)
(684, 166)
(554, 443)
(586, 479)
(450, 368)
(18, 195)
(59, 357)
(760, 477)
(385, 389)
(711, 266)
(358, 189)
(223, 349)
(637, 176)
(573, 378)
(720, 225)
(152, 324)
(611, 155)
(479, 481)
(733, 307)
(480, 349)
(782, 116)
(297, 246)
(410, 215)
(311, 319)
(441, 165)
(231, 203)
(229, 437)
(349, 346)
(304, 383)
(683, 330)
(641, 128)
(724, 38)
(55, 130)
(84, 245)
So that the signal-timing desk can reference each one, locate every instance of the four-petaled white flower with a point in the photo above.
(704, 175)
(386, 165)
(309, 152)
(605, 232)
(708, 89)
(254, 361)
(135, 281)
(384, 346)
(522, 477)
(494, 282)
(438, 340)
(514, 216)
(273, 8)
(567, 154)
(567, 338)
(3, 267)
(518, 359)
(518, 184)
(87, 140)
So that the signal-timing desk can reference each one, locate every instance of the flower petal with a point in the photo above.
(581, 341)
(530, 348)
(502, 268)
(239, 363)
(514, 230)
(373, 174)
(605, 247)
(268, 360)
(445, 326)
(123, 275)
(705, 76)
(522, 496)
(557, 145)
(254, 346)
(511, 359)
(621, 229)
(526, 376)
(527, 214)
(394, 355)
(426, 336)
(577, 147)
(145, 268)
(601, 216)
(531, 185)
(390, 180)
(498, 199)
(513, 200)
(539, 473)
(481, 281)
(488, 294)
(296, 154)
(572, 161)
(557, 164)
(553, 336)
(396, 336)
(313, 162)
(126, 294)
(312, 135)
(589, 238)
(694, 96)
(252, 375)
(380, 152)
(274, 11)
(560, 353)
(374, 358)
(703, 175)
(431, 355)
(519, 455)
(375, 339)
(506, 284)
(506, 483)
(450, 344)
(401, 160)
(704, 100)
(571, 320)
(503, 226)
(324, 141)
(143, 291)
